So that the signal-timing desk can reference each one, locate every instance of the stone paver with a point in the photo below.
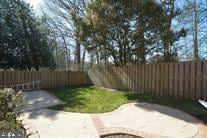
(140, 119)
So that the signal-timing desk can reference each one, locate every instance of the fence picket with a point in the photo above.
(49, 79)
(184, 79)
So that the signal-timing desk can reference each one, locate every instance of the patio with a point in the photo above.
(140, 119)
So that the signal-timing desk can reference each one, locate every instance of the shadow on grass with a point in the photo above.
(88, 99)
(190, 106)
(73, 96)
(78, 98)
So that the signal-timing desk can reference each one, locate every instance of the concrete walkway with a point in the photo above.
(140, 119)
(54, 124)
(38, 99)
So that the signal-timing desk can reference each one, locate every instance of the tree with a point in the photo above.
(167, 34)
(193, 18)
(100, 34)
(61, 13)
(60, 33)
(195, 30)
(127, 31)
(24, 41)
(147, 32)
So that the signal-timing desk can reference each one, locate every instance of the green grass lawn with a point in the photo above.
(91, 99)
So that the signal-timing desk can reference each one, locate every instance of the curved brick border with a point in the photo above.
(104, 131)
(31, 131)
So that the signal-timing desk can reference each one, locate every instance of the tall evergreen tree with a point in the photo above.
(24, 41)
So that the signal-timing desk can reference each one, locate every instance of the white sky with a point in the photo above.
(34, 3)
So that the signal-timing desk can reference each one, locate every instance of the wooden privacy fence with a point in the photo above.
(183, 79)
(49, 79)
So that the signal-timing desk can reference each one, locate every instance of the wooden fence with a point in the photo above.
(184, 79)
(49, 79)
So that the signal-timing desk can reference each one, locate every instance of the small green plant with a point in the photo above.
(9, 100)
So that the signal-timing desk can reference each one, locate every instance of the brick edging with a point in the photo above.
(104, 131)
(202, 130)
(31, 131)
(98, 124)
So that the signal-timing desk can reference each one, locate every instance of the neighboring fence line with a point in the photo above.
(49, 79)
(183, 79)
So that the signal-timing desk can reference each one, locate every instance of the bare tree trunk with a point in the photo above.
(97, 56)
(120, 53)
(78, 55)
(105, 55)
(67, 54)
(195, 31)
(168, 8)
(92, 59)
(141, 46)
(124, 51)
(83, 60)
(63, 37)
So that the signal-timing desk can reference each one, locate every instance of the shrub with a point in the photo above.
(9, 100)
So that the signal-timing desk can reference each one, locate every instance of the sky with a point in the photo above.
(35, 3)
